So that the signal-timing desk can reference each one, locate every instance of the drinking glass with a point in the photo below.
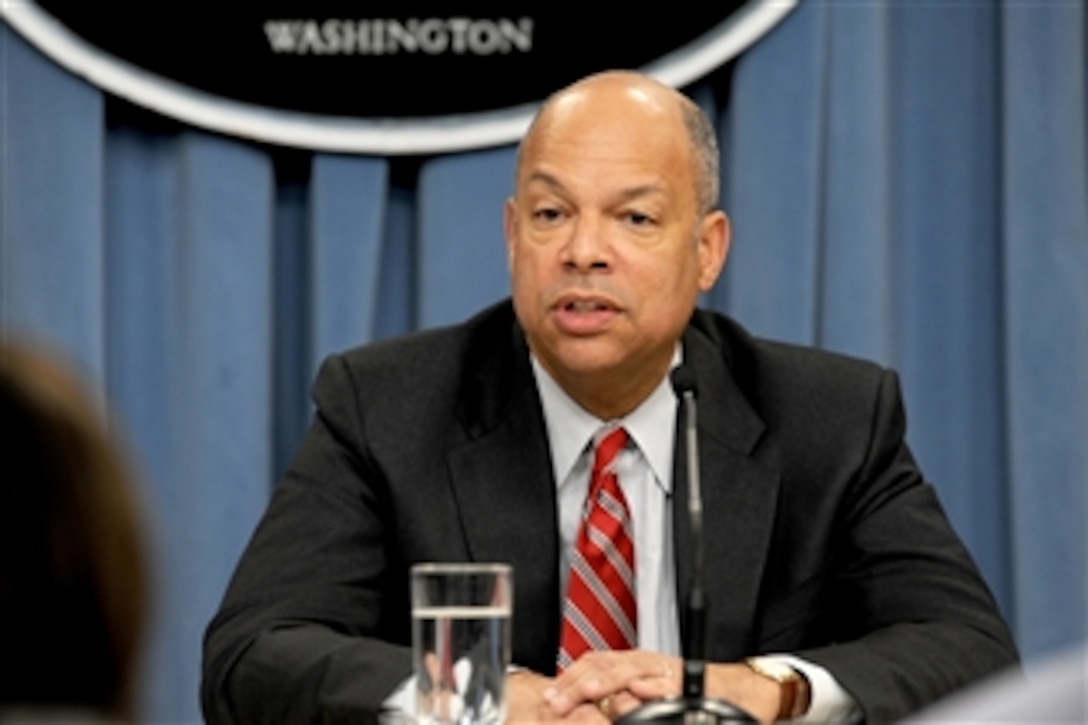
(461, 641)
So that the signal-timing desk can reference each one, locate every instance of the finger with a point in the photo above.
(662, 679)
(589, 713)
(525, 702)
(597, 675)
(623, 703)
(587, 681)
(592, 677)
(611, 670)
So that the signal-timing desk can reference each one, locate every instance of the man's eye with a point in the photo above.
(639, 219)
(547, 214)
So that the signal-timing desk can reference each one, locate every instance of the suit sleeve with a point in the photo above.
(312, 628)
(913, 618)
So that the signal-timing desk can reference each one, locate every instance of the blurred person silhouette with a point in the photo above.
(73, 568)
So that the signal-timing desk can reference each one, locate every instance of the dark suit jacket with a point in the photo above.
(822, 538)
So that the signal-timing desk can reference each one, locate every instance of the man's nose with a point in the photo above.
(587, 247)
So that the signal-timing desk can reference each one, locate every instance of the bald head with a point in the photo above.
(640, 93)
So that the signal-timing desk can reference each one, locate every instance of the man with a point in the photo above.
(825, 548)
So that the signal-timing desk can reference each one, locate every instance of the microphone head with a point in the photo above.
(683, 381)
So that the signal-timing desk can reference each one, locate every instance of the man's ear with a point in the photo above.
(510, 229)
(715, 235)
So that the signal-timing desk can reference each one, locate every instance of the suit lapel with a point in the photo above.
(503, 484)
(740, 496)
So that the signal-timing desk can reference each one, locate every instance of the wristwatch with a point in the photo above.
(793, 687)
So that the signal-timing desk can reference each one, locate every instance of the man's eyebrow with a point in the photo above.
(643, 190)
(544, 178)
(625, 195)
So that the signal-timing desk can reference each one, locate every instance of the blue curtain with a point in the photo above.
(907, 181)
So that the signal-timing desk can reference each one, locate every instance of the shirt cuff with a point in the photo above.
(400, 706)
(828, 701)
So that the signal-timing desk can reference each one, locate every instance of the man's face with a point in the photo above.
(608, 249)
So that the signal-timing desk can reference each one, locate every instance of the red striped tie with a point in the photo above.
(600, 611)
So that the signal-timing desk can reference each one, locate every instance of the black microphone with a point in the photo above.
(683, 384)
(691, 707)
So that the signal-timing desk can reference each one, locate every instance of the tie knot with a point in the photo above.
(608, 447)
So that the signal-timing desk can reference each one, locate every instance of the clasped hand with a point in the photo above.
(604, 686)
(599, 687)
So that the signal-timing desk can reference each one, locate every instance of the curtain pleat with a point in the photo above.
(906, 181)
(853, 281)
(947, 315)
(1044, 205)
(462, 255)
(349, 198)
(189, 220)
(52, 264)
(398, 284)
(292, 281)
(773, 182)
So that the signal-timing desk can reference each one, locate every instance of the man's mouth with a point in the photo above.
(586, 306)
(585, 315)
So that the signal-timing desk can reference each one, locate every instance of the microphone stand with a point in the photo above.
(691, 707)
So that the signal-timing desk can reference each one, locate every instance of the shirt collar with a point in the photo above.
(652, 425)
